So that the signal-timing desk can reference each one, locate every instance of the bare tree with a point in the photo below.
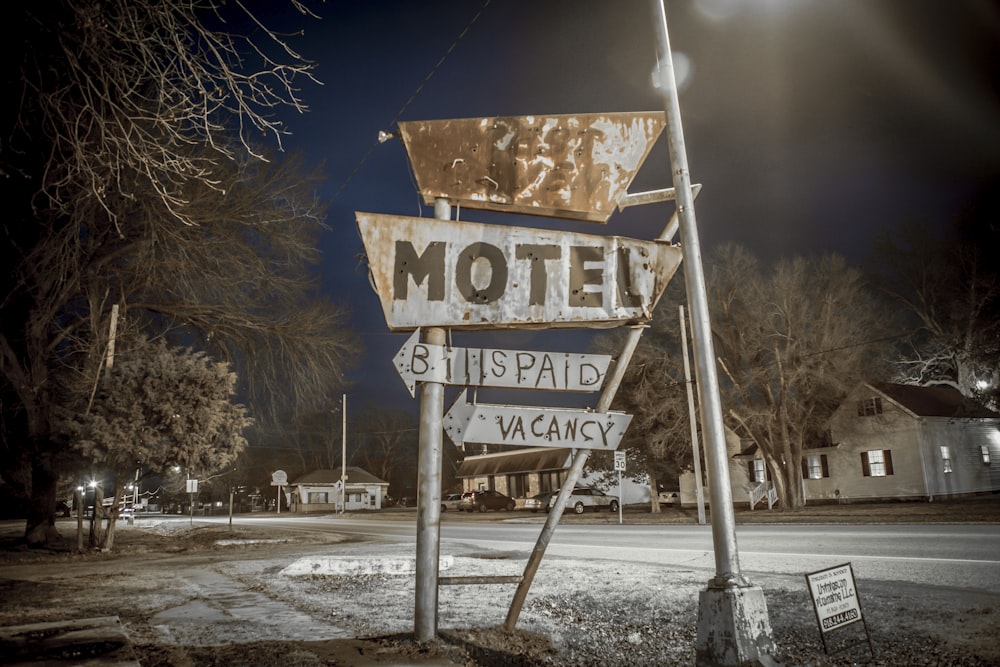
(951, 287)
(658, 440)
(385, 440)
(133, 180)
(116, 92)
(791, 342)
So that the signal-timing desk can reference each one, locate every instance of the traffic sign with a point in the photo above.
(535, 427)
(507, 369)
(620, 461)
(444, 273)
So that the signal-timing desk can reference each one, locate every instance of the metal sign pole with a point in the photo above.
(576, 468)
(425, 609)
(620, 497)
(733, 624)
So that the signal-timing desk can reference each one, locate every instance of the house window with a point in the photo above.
(815, 466)
(756, 471)
(946, 458)
(869, 407)
(985, 449)
(317, 497)
(876, 463)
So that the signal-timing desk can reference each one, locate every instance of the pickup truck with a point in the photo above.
(585, 497)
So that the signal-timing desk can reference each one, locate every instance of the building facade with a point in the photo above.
(320, 491)
(891, 441)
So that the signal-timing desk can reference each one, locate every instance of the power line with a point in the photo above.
(408, 102)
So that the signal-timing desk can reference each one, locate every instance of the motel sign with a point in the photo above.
(442, 273)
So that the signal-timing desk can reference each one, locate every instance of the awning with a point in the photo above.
(508, 463)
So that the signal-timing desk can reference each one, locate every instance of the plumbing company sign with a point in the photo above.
(835, 597)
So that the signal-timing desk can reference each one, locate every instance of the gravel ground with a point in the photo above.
(578, 612)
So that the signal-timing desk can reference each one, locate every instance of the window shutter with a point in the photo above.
(888, 461)
(805, 468)
(825, 465)
(751, 471)
(865, 468)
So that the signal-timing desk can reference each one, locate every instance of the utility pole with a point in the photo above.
(733, 625)
(343, 455)
(699, 490)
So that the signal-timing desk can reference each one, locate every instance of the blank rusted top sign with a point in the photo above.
(576, 166)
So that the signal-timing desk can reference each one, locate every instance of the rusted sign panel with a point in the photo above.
(576, 166)
(508, 369)
(442, 273)
(535, 427)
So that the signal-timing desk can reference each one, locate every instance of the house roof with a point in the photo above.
(939, 401)
(355, 475)
(507, 463)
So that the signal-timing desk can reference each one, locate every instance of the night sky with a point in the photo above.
(812, 124)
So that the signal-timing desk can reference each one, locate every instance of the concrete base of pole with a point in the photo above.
(734, 629)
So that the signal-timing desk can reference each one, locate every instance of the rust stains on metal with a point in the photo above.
(442, 273)
(575, 166)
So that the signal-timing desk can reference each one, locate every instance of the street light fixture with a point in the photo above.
(733, 624)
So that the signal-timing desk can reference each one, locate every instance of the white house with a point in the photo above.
(319, 491)
(890, 441)
(903, 441)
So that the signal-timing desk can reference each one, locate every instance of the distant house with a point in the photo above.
(523, 473)
(892, 441)
(903, 441)
(319, 491)
(519, 474)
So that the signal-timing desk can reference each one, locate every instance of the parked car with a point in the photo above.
(539, 501)
(451, 502)
(669, 498)
(486, 499)
(584, 497)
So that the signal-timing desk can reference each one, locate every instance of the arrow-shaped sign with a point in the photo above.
(451, 274)
(508, 369)
(534, 427)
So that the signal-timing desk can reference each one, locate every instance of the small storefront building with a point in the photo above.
(320, 491)
(519, 474)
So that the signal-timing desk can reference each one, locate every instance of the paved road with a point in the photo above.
(959, 556)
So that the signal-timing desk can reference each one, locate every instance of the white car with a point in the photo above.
(585, 497)
(669, 498)
(451, 502)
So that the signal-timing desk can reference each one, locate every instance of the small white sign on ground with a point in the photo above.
(835, 597)
(835, 600)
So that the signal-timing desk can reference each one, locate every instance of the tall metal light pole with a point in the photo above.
(733, 624)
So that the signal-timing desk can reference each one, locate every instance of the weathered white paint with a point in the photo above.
(441, 273)
(508, 369)
(534, 427)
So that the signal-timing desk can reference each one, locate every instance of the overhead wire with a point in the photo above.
(413, 96)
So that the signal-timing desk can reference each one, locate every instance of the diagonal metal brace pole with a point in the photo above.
(576, 468)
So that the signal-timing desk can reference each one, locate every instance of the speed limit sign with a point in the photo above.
(620, 461)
